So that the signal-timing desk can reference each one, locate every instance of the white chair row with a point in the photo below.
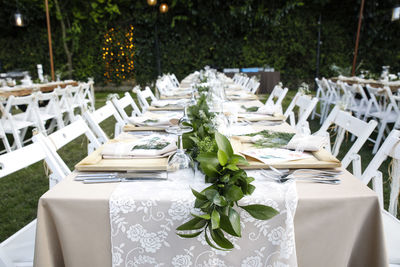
(60, 108)
(249, 84)
(381, 104)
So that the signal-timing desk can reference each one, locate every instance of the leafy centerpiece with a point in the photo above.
(218, 203)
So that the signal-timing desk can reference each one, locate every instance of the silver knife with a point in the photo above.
(117, 180)
(115, 175)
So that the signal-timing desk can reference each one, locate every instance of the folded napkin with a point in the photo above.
(151, 146)
(166, 102)
(307, 142)
(155, 119)
(177, 92)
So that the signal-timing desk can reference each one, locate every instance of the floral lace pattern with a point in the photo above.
(144, 215)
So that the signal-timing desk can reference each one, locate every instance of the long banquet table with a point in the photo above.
(335, 225)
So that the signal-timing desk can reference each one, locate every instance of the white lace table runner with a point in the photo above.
(144, 216)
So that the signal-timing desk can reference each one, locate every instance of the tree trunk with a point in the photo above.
(68, 52)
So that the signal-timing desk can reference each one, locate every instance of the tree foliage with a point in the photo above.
(194, 33)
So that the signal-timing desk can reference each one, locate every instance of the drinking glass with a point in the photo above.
(180, 164)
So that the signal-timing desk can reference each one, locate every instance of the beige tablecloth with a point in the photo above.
(335, 225)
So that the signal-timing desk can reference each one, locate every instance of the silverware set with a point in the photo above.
(115, 177)
(328, 176)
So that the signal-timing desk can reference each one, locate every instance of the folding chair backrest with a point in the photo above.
(277, 93)
(393, 100)
(321, 90)
(253, 85)
(14, 101)
(143, 97)
(51, 109)
(99, 115)
(87, 94)
(174, 80)
(122, 103)
(346, 122)
(305, 104)
(377, 99)
(60, 138)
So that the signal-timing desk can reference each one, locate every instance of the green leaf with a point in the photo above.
(224, 144)
(215, 219)
(202, 216)
(233, 193)
(211, 193)
(219, 239)
(209, 163)
(219, 201)
(198, 195)
(249, 179)
(260, 212)
(199, 203)
(234, 219)
(222, 158)
(209, 242)
(226, 225)
(189, 235)
(237, 159)
(225, 178)
(250, 189)
(232, 167)
(193, 224)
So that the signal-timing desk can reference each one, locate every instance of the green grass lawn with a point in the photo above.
(20, 192)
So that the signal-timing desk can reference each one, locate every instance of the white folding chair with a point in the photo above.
(345, 122)
(173, 79)
(322, 95)
(18, 249)
(384, 107)
(389, 149)
(252, 85)
(66, 109)
(356, 99)
(16, 122)
(122, 103)
(87, 95)
(51, 111)
(143, 96)
(279, 94)
(75, 98)
(305, 105)
(60, 138)
(333, 97)
(99, 115)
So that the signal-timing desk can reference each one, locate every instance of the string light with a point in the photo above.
(118, 54)
(163, 8)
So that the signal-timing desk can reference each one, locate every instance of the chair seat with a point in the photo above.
(391, 226)
(18, 124)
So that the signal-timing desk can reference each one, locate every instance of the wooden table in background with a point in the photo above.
(21, 90)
